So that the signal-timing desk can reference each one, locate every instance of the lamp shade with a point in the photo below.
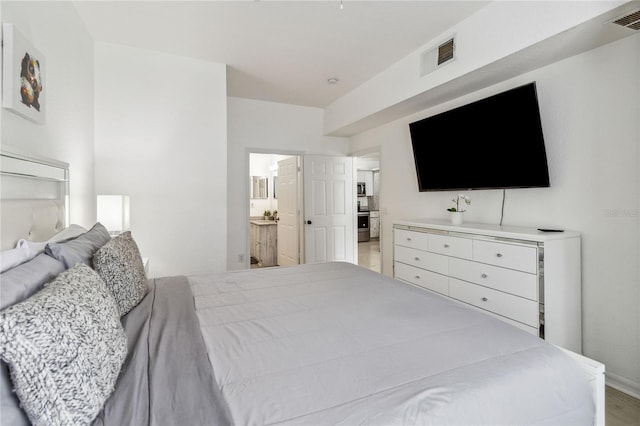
(113, 212)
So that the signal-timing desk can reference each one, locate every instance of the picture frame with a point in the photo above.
(23, 76)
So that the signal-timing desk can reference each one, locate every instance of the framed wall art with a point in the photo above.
(23, 72)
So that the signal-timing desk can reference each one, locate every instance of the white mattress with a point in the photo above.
(337, 344)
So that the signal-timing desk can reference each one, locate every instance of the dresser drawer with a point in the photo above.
(511, 256)
(527, 328)
(450, 246)
(420, 277)
(519, 283)
(513, 307)
(412, 239)
(422, 259)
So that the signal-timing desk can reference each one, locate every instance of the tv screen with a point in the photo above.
(496, 142)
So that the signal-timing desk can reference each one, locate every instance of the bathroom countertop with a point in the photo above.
(264, 222)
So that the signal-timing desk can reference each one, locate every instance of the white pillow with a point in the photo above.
(33, 248)
(13, 257)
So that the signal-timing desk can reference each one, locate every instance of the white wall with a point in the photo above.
(258, 126)
(161, 138)
(590, 108)
(503, 32)
(56, 30)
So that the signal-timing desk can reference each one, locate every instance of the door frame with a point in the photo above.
(247, 208)
(301, 228)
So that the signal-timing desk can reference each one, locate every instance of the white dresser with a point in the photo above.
(526, 277)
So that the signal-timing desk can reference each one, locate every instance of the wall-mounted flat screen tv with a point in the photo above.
(496, 142)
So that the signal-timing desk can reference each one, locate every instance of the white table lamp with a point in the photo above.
(113, 213)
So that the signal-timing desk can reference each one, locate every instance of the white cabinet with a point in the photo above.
(374, 224)
(376, 183)
(523, 276)
(366, 176)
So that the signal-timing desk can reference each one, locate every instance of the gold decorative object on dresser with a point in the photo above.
(524, 276)
(264, 242)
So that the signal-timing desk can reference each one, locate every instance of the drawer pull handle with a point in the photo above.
(408, 238)
(484, 275)
(499, 255)
(417, 277)
(416, 259)
(446, 246)
(484, 299)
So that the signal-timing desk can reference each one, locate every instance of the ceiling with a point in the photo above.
(280, 51)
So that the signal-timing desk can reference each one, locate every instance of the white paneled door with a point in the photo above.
(288, 208)
(329, 198)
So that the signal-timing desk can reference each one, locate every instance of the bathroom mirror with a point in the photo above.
(275, 184)
(259, 187)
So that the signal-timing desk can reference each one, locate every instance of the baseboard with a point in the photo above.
(622, 384)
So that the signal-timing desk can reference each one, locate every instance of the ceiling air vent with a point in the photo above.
(436, 57)
(631, 20)
(445, 52)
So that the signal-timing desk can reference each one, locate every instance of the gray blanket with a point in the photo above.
(167, 378)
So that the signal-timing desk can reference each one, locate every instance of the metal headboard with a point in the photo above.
(34, 197)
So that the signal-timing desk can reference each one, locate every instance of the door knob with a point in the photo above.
(308, 222)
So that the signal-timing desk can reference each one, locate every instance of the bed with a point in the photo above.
(310, 344)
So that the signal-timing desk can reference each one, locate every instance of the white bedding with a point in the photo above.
(337, 344)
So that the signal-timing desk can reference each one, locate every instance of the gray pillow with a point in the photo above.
(120, 265)
(65, 346)
(80, 249)
(24, 280)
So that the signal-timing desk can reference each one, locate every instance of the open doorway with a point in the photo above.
(273, 221)
(319, 191)
(368, 211)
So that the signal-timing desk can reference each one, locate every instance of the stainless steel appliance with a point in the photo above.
(363, 226)
(362, 189)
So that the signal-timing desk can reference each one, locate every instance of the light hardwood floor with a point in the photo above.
(621, 409)
(369, 255)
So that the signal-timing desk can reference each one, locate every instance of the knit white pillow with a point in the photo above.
(65, 346)
(120, 265)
